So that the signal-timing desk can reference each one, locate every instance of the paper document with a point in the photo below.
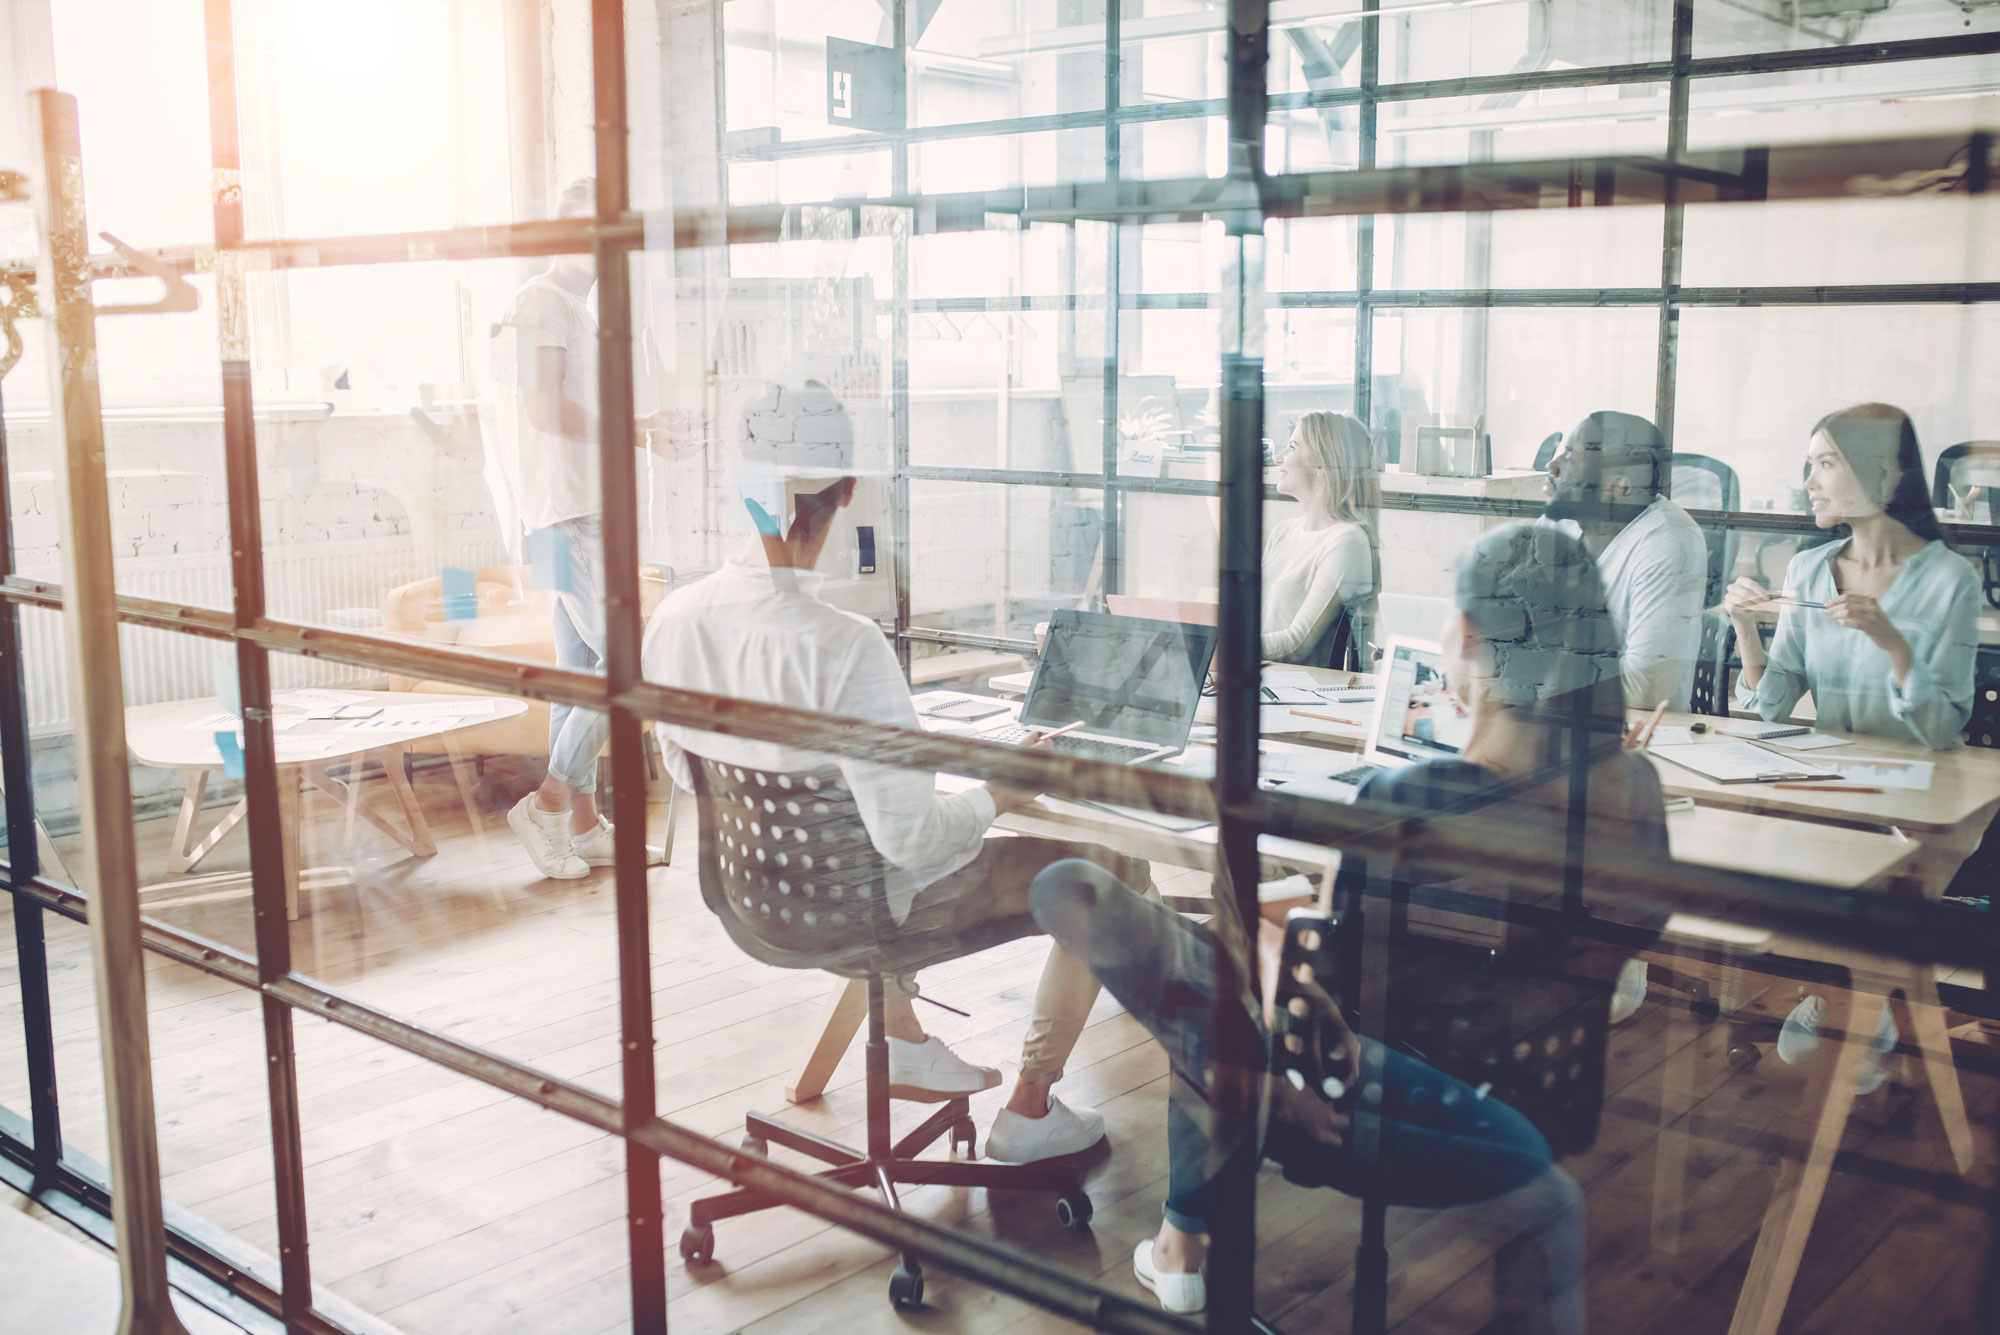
(1812, 741)
(1290, 678)
(442, 709)
(315, 697)
(1882, 772)
(1667, 735)
(1738, 762)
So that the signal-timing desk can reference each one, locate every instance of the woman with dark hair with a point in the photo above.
(1533, 653)
(1882, 625)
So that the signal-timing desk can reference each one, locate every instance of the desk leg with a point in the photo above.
(1788, 1220)
(1927, 1026)
(347, 792)
(288, 818)
(1671, 1150)
(846, 1006)
(420, 842)
(183, 854)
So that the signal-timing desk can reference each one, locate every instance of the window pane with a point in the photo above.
(14, 1090)
(1534, 248)
(1552, 123)
(1752, 382)
(1933, 237)
(1462, 41)
(1724, 27)
(210, 1092)
(440, 1205)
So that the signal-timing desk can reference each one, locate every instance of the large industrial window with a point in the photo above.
(1071, 272)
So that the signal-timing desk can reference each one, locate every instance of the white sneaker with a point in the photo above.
(1874, 1070)
(1177, 1293)
(594, 846)
(543, 834)
(1630, 993)
(930, 1072)
(1062, 1130)
(1798, 1037)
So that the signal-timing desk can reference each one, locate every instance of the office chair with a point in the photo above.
(1983, 728)
(788, 867)
(1545, 453)
(1949, 465)
(1700, 482)
(1711, 666)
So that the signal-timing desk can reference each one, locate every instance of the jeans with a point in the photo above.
(1435, 1141)
(577, 736)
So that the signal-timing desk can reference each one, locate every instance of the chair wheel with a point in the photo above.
(965, 1138)
(756, 1144)
(698, 1244)
(1743, 1056)
(1073, 1210)
(906, 1288)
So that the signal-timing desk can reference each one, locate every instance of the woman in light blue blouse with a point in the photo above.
(1882, 626)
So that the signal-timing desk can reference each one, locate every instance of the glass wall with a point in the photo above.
(670, 575)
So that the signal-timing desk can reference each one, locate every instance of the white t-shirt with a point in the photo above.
(1309, 575)
(741, 633)
(549, 478)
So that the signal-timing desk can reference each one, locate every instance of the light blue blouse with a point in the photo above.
(1934, 602)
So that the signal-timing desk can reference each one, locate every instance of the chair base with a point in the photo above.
(900, 1167)
(885, 1166)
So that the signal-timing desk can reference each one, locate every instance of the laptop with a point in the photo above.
(1417, 718)
(1132, 682)
(1162, 609)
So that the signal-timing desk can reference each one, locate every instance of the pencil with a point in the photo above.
(1330, 718)
(1799, 787)
(1067, 727)
(1651, 726)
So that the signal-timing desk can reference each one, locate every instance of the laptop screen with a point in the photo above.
(1417, 715)
(1123, 677)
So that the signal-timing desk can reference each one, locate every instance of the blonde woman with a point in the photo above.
(1324, 558)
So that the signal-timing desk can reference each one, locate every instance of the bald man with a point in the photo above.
(1610, 480)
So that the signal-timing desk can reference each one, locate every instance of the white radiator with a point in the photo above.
(302, 583)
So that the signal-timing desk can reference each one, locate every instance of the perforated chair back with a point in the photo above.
(1983, 728)
(1700, 482)
(787, 865)
(1711, 667)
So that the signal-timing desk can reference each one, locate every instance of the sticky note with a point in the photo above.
(461, 594)
(232, 754)
(227, 693)
(548, 552)
(762, 518)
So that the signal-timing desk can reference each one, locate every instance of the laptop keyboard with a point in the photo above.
(1353, 776)
(1085, 748)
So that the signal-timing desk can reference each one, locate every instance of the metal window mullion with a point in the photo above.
(1364, 225)
(269, 851)
(900, 527)
(24, 861)
(1673, 226)
(1111, 539)
(618, 475)
(1237, 1086)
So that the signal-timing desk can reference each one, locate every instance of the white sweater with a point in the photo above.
(1309, 575)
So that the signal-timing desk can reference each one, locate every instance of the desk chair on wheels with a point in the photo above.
(789, 868)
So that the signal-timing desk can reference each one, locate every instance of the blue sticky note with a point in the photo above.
(548, 552)
(461, 594)
(761, 517)
(227, 693)
(232, 754)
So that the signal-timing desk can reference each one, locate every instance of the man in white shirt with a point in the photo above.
(545, 360)
(757, 630)
(1610, 479)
